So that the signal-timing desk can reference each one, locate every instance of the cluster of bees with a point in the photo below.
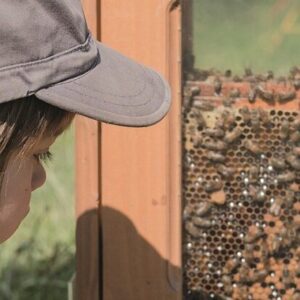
(257, 152)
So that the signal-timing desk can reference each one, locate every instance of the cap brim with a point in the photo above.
(117, 90)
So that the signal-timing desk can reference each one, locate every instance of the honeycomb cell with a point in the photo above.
(221, 235)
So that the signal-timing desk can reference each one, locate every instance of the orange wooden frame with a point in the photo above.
(87, 181)
(134, 173)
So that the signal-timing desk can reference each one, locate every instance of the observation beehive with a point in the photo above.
(239, 187)
(241, 175)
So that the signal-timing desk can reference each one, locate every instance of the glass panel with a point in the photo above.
(239, 34)
(241, 157)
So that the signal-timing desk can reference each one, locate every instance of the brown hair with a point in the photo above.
(25, 121)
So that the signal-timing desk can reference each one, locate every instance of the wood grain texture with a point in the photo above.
(87, 187)
(140, 196)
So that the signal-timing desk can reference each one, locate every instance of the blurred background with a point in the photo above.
(239, 34)
(38, 261)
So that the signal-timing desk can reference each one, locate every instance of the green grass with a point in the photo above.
(234, 34)
(38, 261)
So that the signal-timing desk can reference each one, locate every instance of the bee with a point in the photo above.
(255, 120)
(234, 93)
(259, 275)
(270, 75)
(248, 255)
(228, 73)
(289, 234)
(244, 272)
(296, 295)
(227, 282)
(293, 161)
(201, 222)
(252, 95)
(231, 265)
(265, 253)
(265, 95)
(215, 145)
(199, 119)
(215, 157)
(294, 71)
(296, 151)
(275, 208)
(289, 198)
(237, 78)
(276, 243)
(252, 147)
(284, 130)
(256, 194)
(265, 77)
(197, 140)
(295, 125)
(204, 105)
(191, 130)
(297, 273)
(189, 92)
(226, 172)
(288, 176)
(242, 293)
(195, 90)
(287, 278)
(203, 209)
(278, 164)
(228, 102)
(187, 103)
(251, 238)
(192, 229)
(217, 85)
(187, 211)
(233, 135)
(227, 119)
(245, 113)
(283, 98)
(214, 132)
(253, 173)
(248, 72)
(264, 116)
(295, 137)
(213, 186)
(296, 83)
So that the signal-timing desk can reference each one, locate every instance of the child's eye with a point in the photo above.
(46, 156)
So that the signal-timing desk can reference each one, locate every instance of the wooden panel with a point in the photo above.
(140, 196)
(87, 189)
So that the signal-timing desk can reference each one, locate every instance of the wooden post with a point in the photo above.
(141, 167)
(87, 181)
(137, 169)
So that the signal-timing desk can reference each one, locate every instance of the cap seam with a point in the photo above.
(103, 101)
(111, 94)
(83, 46)
(84, 105)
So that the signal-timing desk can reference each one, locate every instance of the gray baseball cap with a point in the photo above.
(46, 49)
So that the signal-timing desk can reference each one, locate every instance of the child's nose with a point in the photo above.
(38, 177)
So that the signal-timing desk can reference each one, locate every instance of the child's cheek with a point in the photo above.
(38, 176)
(15, 196)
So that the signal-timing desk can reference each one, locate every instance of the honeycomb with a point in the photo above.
(241, 193)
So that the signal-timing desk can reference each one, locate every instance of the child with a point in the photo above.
(28, 128)
(51, 68)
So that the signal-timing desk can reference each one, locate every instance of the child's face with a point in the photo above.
(22, 176)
